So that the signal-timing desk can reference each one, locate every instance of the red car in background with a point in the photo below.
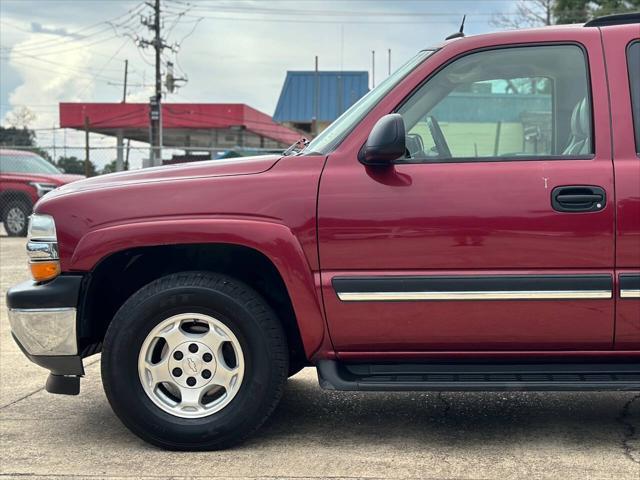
(24, 178)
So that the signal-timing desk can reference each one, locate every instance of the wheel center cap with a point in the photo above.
(192, 364)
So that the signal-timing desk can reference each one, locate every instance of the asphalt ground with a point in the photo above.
(316, 433)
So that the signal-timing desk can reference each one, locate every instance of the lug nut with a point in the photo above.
(207, 357)
(178, 355)
(206, 374)
(193, 348)
(176, 372)
(191, 381)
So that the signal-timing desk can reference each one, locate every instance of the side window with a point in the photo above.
(633, 60)
(519, 102)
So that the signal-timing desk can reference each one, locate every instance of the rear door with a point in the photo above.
(622, 48)
(467, 250)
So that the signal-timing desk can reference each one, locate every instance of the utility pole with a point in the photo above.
(126, 73)
(120, 135)
(373, 69)
(389, 72)
(155, 102)
(53, 131)
(87, 161)
(316, 101)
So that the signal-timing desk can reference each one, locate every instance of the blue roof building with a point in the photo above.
(336, 92)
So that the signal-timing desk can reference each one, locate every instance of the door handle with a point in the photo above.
(578, 198)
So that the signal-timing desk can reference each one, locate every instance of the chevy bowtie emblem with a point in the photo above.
(192, 365)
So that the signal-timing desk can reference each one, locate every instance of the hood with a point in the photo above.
(167, 173)
(57, 179)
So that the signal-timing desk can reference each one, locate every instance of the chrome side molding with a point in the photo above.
(472, 287)
(495, 295)
(630, 293)
(630, 285)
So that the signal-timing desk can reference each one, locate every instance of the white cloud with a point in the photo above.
(226, 60)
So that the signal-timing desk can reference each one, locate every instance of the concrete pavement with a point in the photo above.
(319, 434)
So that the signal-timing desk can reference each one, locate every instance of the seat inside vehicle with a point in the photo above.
(580, 140)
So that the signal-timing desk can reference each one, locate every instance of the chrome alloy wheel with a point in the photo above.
(191, 365)
(16, 219)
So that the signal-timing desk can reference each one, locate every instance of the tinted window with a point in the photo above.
(633, 59)
(524, 102)
(20, 163)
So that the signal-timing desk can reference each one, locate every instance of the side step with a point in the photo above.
(477, 376)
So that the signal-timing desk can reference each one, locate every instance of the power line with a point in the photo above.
(126, 40)
(45, 69)
(77, 35)
(66, 67)
(331, 22)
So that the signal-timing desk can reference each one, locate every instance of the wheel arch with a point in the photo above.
(265, 256)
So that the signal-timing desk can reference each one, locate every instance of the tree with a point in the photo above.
(528, 13)
(537, 13)
(571, 11)
(22, 117)
(17, 137)
(608, 7)
(22, 139)
(75, 166)
(109, 168)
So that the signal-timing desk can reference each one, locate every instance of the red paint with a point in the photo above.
(206, 116)
(468, 325)
(206, 202)
(627, 178)
(464, 218)
(315, 217)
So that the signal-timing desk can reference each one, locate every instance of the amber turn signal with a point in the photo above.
(43, 271)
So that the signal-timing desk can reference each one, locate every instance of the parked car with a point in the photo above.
(24, 178)
(395, 251)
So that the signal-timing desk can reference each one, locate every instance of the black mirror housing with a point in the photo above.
(386, 142)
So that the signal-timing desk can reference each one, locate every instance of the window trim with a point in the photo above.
(635, 122)
(524, 158)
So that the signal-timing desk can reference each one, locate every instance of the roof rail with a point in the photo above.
(618, 19)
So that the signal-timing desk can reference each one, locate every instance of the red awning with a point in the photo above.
(132, 119)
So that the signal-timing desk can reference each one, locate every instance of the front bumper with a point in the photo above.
(43, 324)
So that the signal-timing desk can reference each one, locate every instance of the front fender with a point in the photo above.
(276, 241)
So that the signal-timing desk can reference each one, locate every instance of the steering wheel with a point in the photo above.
(438, 137)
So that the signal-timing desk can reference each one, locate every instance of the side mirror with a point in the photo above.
(386, 142)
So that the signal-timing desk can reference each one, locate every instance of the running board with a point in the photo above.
(476, 376)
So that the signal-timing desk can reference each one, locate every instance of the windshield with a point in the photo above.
(340, 128)
(25, 163)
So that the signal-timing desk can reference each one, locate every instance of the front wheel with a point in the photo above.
(194, 361)
(15, 217)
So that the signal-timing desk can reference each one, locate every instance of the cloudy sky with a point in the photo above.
(230, 50)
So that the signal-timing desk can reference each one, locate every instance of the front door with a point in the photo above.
(496, 232)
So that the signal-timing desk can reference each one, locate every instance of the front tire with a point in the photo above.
(194, 361)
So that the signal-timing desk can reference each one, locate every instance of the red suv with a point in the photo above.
(24, 178)
(473, 223)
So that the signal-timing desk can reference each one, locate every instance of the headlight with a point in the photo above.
(43, 188)
(42, 248)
